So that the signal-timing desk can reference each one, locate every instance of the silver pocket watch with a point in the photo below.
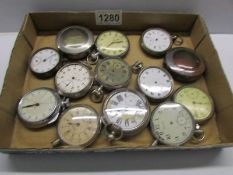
(155, 82)
(40, 107)
(110, 44)
(111, 73)
(125, 113)
(75, 42)
(45, 62)
(157, 41)
(172, 124)
(78, 126)
(74, 80)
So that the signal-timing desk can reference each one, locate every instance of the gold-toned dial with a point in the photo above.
(79, 126)
(197, 101)
(112, 44)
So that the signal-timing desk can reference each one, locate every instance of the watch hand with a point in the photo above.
(49, 57)
(114, 43)
(32, 105)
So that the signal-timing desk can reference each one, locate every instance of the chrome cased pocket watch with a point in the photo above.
(184, 64)
(126, 112)
(75, 42)
(172, 124)
(111, 73)
(74, 80)
(197, 101)
(110, 44)
(45, 62)
(40, 107)
(157, 41)
(155, 82)
(78, 126)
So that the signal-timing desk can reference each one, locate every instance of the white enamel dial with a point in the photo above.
(156, 83)
(127, 109)
(79, 125)
(73, 80)
(37, 105)
(156, 40)
(44, 60)
(172, 124)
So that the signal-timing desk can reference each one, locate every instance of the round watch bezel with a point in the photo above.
(107, 86)
(95, 136)
(135, 130)
(49, 119)
(81, 93)
(149, 97)
(211, 114)
(179, 73)
(150, 51)
(110, 56)
(80, 52)
(49, 73)
(157, 136)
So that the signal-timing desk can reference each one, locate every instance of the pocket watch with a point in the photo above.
(45, 62)
(172, 124)
(75, 42)
(197, 101)
(78, 126)
(156, 83)
(157, 41)
(125, 112)
(74, 80)
(111, 73)
(184, 64)
(110, 43)
(40, 107)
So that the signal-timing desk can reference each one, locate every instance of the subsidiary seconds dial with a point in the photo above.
(74, 80)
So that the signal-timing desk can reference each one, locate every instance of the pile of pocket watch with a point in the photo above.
(176, 120)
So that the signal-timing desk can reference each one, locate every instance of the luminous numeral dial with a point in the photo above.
(155, 83)
(126, 109)
(78, 126)
(113, 72)
(112, 43)
(156, 40)
(73, 78)
(172, 124)
(197, 101)
(44, 60)
(37, 105)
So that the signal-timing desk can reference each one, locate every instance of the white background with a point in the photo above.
(214, 162)
(217, 13)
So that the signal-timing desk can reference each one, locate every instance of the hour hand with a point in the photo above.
(32, 105)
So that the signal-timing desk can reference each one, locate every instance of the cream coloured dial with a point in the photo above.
(79, 125)
(112, 43)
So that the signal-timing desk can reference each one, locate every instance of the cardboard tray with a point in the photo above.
(40, 29)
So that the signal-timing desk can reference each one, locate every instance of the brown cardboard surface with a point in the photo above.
(39, 31)
(42, 138)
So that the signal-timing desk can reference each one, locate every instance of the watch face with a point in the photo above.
(73, 79)
(172, 124)
(112, 44)
(78, 126)
(127, 109)
(155, 83)
(113, 72)
(197, 101)
(37, 105)
(156, 40)
(44, 60)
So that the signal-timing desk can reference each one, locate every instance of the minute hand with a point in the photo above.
(28, 106)
(114, 42)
